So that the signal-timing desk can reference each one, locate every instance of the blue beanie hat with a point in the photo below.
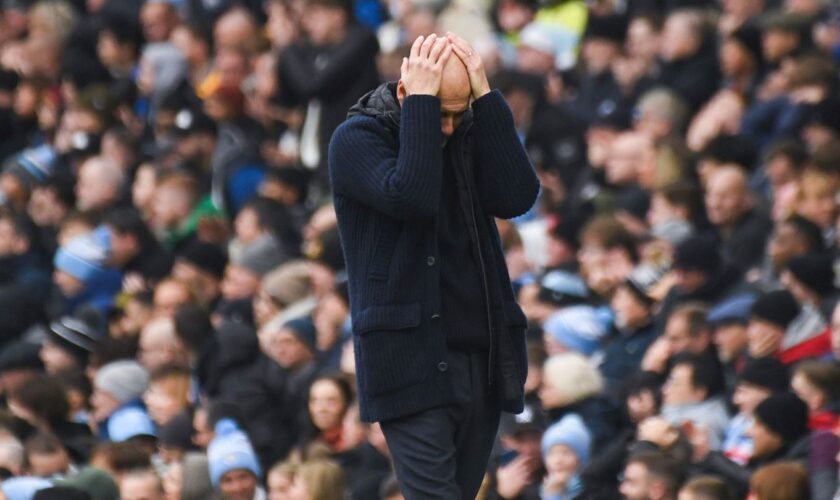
(579, 328)
(23, 488)
(84, 257)
(732, 310)
(230, 450)
(569, 431)
(130, 422)
(304, 330)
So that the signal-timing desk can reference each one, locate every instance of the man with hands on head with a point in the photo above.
(419, 171)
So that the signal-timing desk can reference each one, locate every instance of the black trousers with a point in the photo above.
(443, 452)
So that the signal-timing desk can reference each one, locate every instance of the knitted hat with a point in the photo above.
(130, 422)
(189, 121)
(698, 253)
(96, 483)
(572, 432)
(230, 450)
(197, 485)
(562, 288)
(23, 487)
(304, 330)
(644, 281)
(815, 271)
(577, 327)
(75, 337)
(732, 310)
(784, 414)
(749, 37)
(178, 432)
(20, 354)
(61, 493)
(531, 418)
(205, 256)
(777, 307)
(606, 27)
(32, 166)
(289, 283)
(811, 231)
(769, 373)
(261, 256)
(84, 257)
(124, 379)
(544, 38)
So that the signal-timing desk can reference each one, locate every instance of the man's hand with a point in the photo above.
(513, 478)
(475, 66)
(422, 70)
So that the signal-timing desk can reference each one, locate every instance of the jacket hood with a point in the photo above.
(380, 103)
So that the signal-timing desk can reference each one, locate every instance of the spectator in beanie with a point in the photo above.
(19, 361)
(25, 282)
(779, 433)
(572, 386)
(202, 266)
(770, 317)
(693, 393)
(517, 471)
(554, 290)
(285, 292)
(758, 380)
(234, 470)
(810, 278)
(728, 321)
(68, 345)
(82, 277)
(818, 384)
(566, 451)
(574, 329)
(117, 391)
(246, 270)
(633, 330)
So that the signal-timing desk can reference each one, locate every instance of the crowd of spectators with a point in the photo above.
(173, 310)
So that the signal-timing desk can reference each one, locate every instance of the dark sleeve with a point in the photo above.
(328, 73)
(736, 476)
(402, 181)
(507, 183)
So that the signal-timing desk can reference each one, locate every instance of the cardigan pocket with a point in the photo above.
(390, 350)
(383, 249)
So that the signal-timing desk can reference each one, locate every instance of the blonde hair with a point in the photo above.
(573, 377)
(324, 479)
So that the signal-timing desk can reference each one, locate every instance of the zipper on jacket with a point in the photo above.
(467, 174)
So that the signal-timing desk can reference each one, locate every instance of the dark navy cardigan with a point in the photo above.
(385, 167)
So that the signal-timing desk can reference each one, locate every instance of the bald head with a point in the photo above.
(455, 82)
(727, 196)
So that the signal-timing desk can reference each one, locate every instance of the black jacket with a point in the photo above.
(386, 168)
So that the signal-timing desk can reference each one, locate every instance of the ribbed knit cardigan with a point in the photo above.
(385, 167)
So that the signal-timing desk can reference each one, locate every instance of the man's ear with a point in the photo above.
(401, 92)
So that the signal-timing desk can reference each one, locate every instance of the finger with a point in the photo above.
(437, 48)
(427, 46)
(460, 42)
(447, 52)
(404, 67)
(415, 47)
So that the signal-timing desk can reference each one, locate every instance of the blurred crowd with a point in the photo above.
(173, 309)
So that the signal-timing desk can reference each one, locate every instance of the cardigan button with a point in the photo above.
(442, 366)
(435, 316)
(430, 261)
